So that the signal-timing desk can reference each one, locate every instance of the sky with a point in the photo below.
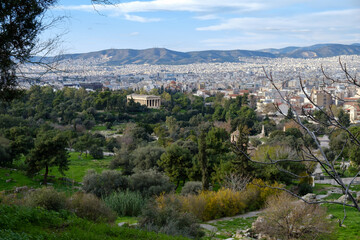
(193, 25)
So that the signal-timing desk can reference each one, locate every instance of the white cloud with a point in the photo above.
(207, 17)
(135, 18)
(134, 34)
(346, 19)
(172, 5)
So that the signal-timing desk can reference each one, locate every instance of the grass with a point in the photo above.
(77, 170)
(352, 222)
(99, 128)
(19, 222)
(333, 196)
(321, 189)
(79, 165)
(18, 179)
(228, 228)
(129, 220)
(119, 127)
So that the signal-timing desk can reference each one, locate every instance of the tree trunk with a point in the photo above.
(46, 174)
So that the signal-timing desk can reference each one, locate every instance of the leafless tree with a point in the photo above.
(307, 154)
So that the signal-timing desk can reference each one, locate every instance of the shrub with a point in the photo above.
(257, 192)
(90, 207)
(191, 188)
(208, 205)
(169, 219)
(223, 203)
(105, 183)
(235, 181)
(305, 188)
(11, 199)
(285, 218)
(150, 183)
(96, 152)
(47, 198)
(125, 203)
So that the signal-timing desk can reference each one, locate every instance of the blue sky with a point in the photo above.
(191, 25)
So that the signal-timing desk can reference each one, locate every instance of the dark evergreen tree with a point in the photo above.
(20, 25)
(49, 151)
(203, 160)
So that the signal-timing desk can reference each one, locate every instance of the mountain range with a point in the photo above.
(166, 56)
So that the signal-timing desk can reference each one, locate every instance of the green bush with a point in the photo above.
(26, 223)
(105, 183)
(125, 203)
(169, 219)
(90, 207)
(47, 198)
(305, 188)
(10, 235)
(150, 183)
(191, 188)
(96, 152)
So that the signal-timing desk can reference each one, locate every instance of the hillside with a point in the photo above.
(166, 56)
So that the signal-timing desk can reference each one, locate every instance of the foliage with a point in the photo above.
(20, 23)
(210, 205)
(344, 118)
(5, 158)
(145, 158)
(125, 203)
(150, 183)
(285, 218)
(169, 220)
(105, 183)
(192, 188)
(24, 223)
(90, 207)
(175, 161)
(203, 161)
(47, 198)
(305, 188)
(268, 153)
(96, 152)
(50, 150)
(258, 191)
(123, 160)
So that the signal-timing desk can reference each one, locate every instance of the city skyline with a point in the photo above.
(191, 25)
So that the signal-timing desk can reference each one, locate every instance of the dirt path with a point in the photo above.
(211, 228)
(245, 215)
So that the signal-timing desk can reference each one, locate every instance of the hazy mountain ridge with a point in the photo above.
(166, 56)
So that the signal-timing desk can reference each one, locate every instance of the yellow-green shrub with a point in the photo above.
(209, 205)
(196, 204)
(257, 192)
(223, 203)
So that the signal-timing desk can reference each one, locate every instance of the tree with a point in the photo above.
(145, 158)
(203, 160)
(290, 114)
(49, 151)
(20, 24)
(324, 118)
(175, 162)
(344, 118)
(241, 164)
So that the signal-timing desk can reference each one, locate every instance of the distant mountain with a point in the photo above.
(316, 51)
(166, 56)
